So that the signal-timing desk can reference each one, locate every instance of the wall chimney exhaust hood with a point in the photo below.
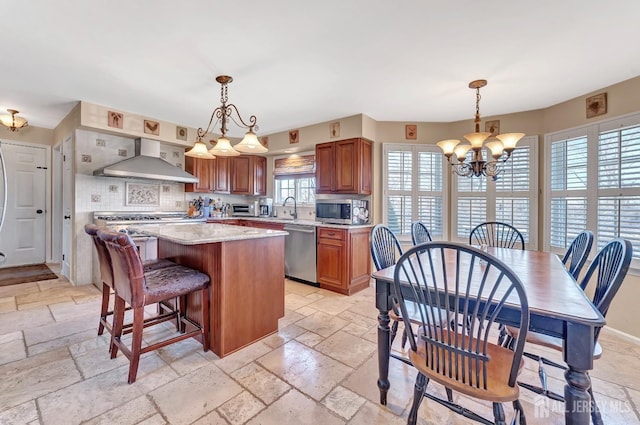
(147, 164)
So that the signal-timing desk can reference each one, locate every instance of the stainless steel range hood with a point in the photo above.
(147, 164)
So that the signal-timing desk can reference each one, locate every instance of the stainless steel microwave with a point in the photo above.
(342, 211)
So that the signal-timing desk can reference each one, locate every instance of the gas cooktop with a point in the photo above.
(126, 217)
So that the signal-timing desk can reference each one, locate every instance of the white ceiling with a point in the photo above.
(296, 62)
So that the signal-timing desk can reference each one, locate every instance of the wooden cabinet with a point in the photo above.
(242, 175)
(201, 168)
(343, 263)
(344, 167)
(220, 175)
(248, 175)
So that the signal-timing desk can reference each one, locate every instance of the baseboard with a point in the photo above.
(623, 335)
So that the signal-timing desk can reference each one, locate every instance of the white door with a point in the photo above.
(23, 236)
(67, 190)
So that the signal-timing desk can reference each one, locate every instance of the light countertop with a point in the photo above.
(202, 233)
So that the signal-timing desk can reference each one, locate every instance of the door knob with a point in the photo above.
(39, 211)
(67, 217)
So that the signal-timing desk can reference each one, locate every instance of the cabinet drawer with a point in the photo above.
(331, 233)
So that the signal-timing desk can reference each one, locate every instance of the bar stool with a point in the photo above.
(106, 276)
(139, 289)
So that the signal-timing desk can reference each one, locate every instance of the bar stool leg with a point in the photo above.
(118, 321)
(136, 342)
(106, 292)
(205, 319)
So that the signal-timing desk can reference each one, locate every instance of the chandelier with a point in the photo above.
(223, 114)
(12, 122)
(500, 149)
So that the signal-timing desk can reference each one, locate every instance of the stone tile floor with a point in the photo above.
(321, 368)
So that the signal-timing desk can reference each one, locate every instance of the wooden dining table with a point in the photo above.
(557, 307)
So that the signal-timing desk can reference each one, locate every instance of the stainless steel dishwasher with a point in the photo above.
(300, 253)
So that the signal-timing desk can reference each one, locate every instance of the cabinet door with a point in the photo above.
(260, 175)
(241, 175)
(325, 167)
(347, 166)
(220, 177)
(331, 263)
(201, 168)
(366, 157)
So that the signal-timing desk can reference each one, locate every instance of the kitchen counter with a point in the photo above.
(202, 233)
(246, 268)
(290, 221)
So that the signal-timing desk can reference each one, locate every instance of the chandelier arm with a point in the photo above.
(462, 169)
(494, 168)
(252, 119)
(217, 113)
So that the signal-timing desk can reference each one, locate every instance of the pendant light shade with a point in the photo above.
(199, 150)
(250, 144)
(223, 148)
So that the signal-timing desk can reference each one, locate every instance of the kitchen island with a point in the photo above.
(246, 267)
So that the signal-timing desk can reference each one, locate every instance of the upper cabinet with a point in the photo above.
(241, 175)
(201, 168)
(344, 167)
(220, 175)
(248, 175)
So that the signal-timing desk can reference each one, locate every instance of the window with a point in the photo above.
(301, 188)
(414, 189)
(595, 184)
(295, 176)
(512, 198)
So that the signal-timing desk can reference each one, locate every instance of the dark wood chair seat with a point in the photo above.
(138, 289)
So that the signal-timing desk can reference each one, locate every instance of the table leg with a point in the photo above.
(577, 401)
(383, 355)
(578, 354)
(383, 306)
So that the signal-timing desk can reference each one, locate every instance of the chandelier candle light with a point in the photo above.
(500, 149)
(223, 113)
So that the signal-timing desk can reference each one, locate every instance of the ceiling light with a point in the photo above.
(477, 166)
(12, 122)
(223, 113)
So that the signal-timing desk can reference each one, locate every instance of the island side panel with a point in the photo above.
(247, 287)
(205, 258)
(252, 285)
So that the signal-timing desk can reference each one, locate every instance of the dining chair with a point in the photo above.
(106, 276)
(606, 274)
(385, 249)
(495, 233)
(420, 233)
(475, 286)
(139, 289)
(577, 253)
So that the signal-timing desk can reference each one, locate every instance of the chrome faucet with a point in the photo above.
(294, 214)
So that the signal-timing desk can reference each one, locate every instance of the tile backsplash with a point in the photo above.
(95, 150)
